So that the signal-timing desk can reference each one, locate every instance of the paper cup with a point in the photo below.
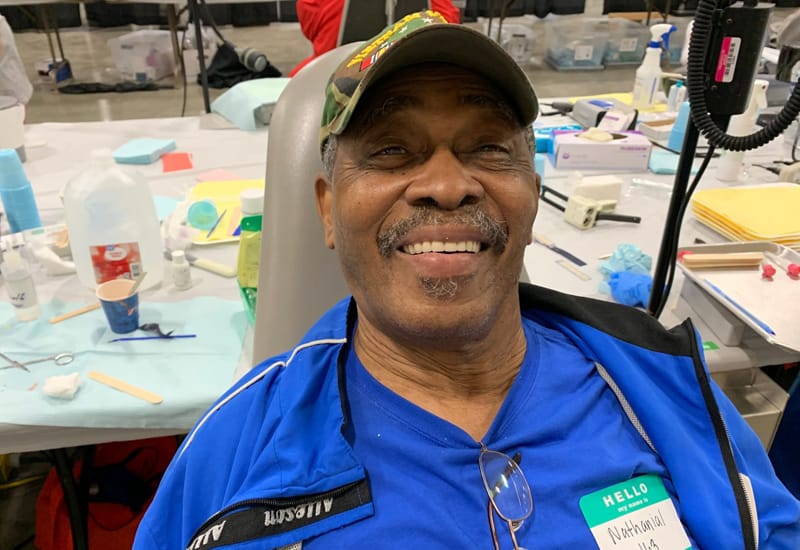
(121, 308)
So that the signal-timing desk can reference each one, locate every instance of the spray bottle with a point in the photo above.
(648, 75)
(730, 165)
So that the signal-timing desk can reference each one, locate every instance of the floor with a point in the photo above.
(283, 44)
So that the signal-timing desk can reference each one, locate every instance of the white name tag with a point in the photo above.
(634, 515)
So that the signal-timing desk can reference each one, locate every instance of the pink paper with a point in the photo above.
(220, 174)
(172, 162)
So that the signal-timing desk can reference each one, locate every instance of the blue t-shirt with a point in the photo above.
(571, 431)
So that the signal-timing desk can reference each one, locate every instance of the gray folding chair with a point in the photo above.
(299, 278)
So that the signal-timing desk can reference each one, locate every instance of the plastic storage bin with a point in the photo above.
(576, 43)
(677, 42)
(143, 55)
(516, 39)
(627, 42)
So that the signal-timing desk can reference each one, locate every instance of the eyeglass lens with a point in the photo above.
(506, 485)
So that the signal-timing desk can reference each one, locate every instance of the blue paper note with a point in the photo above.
(164, 206)
(664, 162)
(143, 150)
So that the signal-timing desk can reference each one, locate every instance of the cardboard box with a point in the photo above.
(627, 151)
(143, 55)
(658, 130)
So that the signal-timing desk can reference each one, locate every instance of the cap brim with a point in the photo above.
(466, 48)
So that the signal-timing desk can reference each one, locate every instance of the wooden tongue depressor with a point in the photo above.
(124, 387)
(721, 260)
(74, 313)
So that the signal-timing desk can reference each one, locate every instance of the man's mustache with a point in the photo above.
(493, 232)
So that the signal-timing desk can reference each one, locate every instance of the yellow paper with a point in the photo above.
(764, 212)
(626, 98)
(225, 195)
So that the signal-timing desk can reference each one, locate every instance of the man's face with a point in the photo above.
(431, 206)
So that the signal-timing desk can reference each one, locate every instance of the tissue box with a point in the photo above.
(627, 151)
(544, 135)
(143, 55)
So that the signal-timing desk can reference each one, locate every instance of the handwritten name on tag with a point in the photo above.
(637, 514)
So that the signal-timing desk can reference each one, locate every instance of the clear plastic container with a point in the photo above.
(20, 287)
(627, 41)
(112, 224)
(576, 43)
(677, 41)
(516, 39)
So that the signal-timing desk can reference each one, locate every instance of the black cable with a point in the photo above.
(697, 155)
(183, 73)
(774, 169)
(551, 202)
(25, 543)
(674, 244)
(205, 16)
(698, 52)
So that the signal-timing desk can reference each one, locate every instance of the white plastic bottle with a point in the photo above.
(113, 228)
(20, 287)
(731, 163)
(648, 75)
(676, 96)
(181, 272)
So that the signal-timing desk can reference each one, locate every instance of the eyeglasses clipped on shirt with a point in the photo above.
(508, 490)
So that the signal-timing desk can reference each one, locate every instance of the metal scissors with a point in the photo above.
(59, 359)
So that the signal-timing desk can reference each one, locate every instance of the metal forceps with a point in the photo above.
(59, 359)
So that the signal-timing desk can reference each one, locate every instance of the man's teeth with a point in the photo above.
(441, 246)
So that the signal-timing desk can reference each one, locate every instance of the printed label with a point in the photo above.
(728, 55)
(116, 261)
(628, 44)
(583, 52)
(637, 514)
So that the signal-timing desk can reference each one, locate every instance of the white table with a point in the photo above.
(735, 368)
(651, 204)
(56, 153)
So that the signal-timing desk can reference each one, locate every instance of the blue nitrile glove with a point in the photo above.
(630, 289)
(627, 257)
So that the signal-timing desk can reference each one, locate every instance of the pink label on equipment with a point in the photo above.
(728, 55)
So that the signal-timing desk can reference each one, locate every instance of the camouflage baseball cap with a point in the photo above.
(423, 37)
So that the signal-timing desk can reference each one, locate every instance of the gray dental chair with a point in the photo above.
(299, 278)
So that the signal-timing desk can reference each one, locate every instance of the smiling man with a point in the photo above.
(446, 405)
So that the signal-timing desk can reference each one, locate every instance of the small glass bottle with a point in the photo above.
(181, 274)
(20, 287)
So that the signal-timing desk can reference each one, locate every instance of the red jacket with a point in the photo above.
(320, 21)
